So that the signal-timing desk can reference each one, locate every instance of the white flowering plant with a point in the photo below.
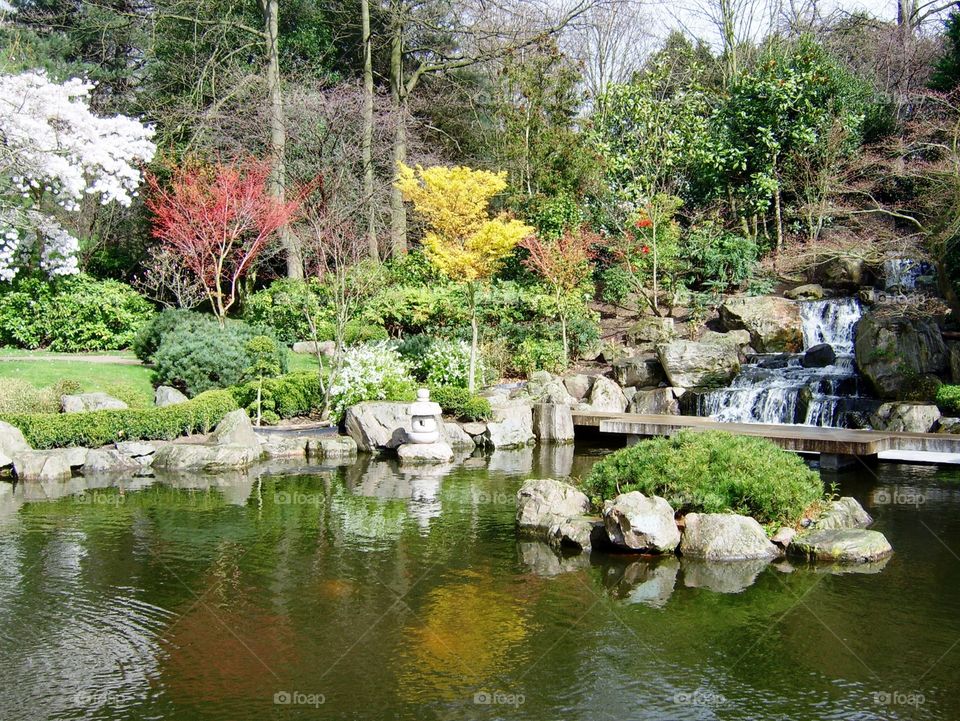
(447, 363)
(371, 372)
(54, 152)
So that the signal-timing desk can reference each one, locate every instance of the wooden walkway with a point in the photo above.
(802, 439)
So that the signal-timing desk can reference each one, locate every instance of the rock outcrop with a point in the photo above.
(724, 537)
(553, 422)
(511, 425)
(12, 442)
(83, 402)
(819, 356)
(892, 351)
(643, 371)
(659, 401)
(641, 523)
(841, 545)
(773, 323)
(905, 417)
(544, 504)
(379, 425)
(606, 396)
(689, 364)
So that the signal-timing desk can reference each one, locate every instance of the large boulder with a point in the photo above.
(845, 512)
(168, 396)
(905, 417)
(643, 371)
(543, 504)
(458, 438)
(108, 460)
(658, 402)
(511, 425)
(577, 532)
(738, 339)
(843, 272)
(335, 447)
(553, 422)
(811, 291)
(641, 523)
(11, 443)
(423, 453)
(41, 466)
(819, 356)
(380, 425)
(606, 396)
(689, 364)
(773, 323)
(892, 351)
(578, 385)
(544, 387)
(651, 330)
(83, 402)
(724, 537)
(191, 456)
(841, 545)
(235, 429)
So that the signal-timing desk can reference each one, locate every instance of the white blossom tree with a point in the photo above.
(53, 152)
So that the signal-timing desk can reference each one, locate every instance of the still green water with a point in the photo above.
(365, 592)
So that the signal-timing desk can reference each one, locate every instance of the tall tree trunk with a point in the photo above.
(278, 132)
(368, 178)
(398, 94)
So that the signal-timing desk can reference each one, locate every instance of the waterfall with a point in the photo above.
(776, 388)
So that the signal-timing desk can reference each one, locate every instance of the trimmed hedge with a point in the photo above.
(711, 472)
(295, 394)
(458, 402)
(98, 428)
(948, 398)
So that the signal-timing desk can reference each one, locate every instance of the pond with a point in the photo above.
(367, 592)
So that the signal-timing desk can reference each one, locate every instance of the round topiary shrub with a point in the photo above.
(150, 335)
(201, 356)
(711, 472)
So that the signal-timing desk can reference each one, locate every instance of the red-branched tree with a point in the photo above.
(217, 219)
(564, 264)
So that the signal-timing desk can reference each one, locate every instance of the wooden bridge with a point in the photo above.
(837, 446)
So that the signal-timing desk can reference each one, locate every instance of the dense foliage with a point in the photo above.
(460, 403)
(76, 313)
(287, 396)
(98, 428)
(373, 372)
(711, 472)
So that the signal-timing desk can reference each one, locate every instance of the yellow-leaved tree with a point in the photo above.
(462, 240)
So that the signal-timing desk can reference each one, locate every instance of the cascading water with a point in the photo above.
(777, 388)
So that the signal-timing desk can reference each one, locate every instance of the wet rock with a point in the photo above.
(581, 533)
(737, 339)
(108, 460)
(578, 385)
(891, 351)
(329, 446)
(213, 458)
(75, 456)
(641, 523)
(811, 291)
(166, 396)
(136, 449)
(841, 545)
(607, 397)
(722, 576)
(659, 401)
(458, 438)
(844, 513)
(41, 466)
(84, 402)
(474, 428)
(689, 364)
(783, 537)
(773, 323)
(511, 425)
(12, 442)
(905, 417)
(283, 446)
(553, 422)
(544, 503)
(948, 425)
(724, 537)
(417, 453)
(639, 371)
(819, 356)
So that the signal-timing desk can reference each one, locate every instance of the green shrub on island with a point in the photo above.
(71, 314)
(21, 396)
(948, 399)
(98, 428)
(199, 355)
(711, 472)
(150, 336)
(460, 403)
(288, 396)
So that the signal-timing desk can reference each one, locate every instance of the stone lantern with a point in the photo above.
(423, 424)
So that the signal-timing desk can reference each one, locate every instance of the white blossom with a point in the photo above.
(54, 151)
